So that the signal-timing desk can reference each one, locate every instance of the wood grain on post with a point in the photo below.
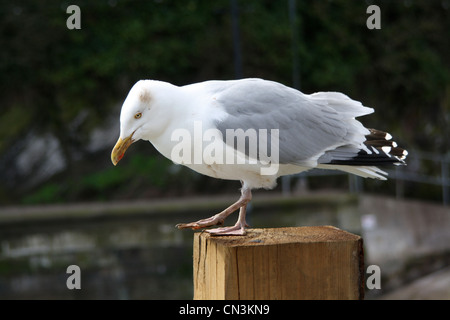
(281, 263)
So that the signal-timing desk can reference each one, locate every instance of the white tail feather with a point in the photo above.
(362, 171)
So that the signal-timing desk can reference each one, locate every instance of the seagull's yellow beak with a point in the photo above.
(120, 148)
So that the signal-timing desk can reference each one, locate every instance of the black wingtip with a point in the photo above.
(380, 150)
(381, 141)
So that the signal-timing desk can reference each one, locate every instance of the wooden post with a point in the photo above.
(282, 263)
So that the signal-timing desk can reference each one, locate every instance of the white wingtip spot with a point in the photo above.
(386, 149)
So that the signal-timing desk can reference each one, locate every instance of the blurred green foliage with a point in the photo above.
(48, 193)
(139, 172)
(64, 82)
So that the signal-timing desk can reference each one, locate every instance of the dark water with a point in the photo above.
(139, 257)
(131, 259)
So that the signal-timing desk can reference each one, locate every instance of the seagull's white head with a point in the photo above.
(145, 114)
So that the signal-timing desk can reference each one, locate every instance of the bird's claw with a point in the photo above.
(213, 221)
(191, 225)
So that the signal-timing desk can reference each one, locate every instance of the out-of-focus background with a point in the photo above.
(63, 203)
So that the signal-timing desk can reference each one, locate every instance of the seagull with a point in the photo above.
(254, 131)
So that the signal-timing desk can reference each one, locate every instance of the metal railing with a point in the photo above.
(423, 167)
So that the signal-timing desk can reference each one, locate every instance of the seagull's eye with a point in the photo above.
(138, 115)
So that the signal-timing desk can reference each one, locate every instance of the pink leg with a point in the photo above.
(237, 229)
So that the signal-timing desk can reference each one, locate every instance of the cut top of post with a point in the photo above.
(277, 236)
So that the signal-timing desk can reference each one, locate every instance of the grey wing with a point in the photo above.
(308, 125)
